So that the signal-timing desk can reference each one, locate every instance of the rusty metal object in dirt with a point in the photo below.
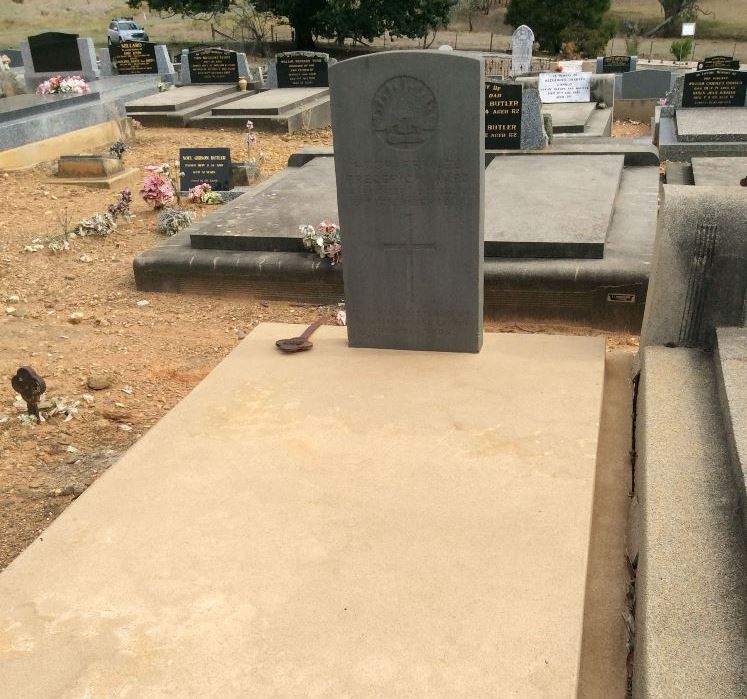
(31, 386)
(301, 343)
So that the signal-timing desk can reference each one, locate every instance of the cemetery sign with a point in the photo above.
(710, 62)
(718, 87)
(213, 65)
(134, 57)
(302, 70)
(211, 165)
(503, 116)
(55, 51)
(616, 64)
(564, 87)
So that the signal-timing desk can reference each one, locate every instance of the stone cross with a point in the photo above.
(522, 43)
(409, 162)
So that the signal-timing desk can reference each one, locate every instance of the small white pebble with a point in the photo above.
(143, 303)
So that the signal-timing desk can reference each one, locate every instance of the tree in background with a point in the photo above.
(676, 12)
(582, 23)
(333, 19)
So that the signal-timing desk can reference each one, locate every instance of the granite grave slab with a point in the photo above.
(712, 88)
(720, 172)
(710, 62)
(409, 158)
(644, 84)
(213, 65)
(714, 124)
(558, 206)
(513, 117)
(616, 64)
(58, 53)
(570, 117)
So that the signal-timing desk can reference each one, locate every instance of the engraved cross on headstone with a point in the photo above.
(409, 248)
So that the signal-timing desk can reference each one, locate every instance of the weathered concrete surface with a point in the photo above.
(179, 98)
(603, 655)
(731, 375)
(570, 117)
(691, 609)
(273, 101)
(720, 172)
(338, 523)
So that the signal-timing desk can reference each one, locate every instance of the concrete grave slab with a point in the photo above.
(712, 124)
(269, 219)
(299, 536)
(272, 101)
(570, 117)
(178, 98)
(550, 207)
(720, 172)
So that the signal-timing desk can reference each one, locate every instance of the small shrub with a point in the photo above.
(681, 48)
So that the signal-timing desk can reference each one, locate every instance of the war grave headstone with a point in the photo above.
(710, 62)
(409, 159)
(513, 117)
(211, 165)
(522, 44)
(58, 53)
(705, 116)
(137, 58)
(213, 65)
(616, 64)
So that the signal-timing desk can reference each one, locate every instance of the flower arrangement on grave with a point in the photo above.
(67, 85)
(324, 242)
(203, 194)
(158, 189)
(118, 149)
(4, 62)
(171, 221)
(254, 155)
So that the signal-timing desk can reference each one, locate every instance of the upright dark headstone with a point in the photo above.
(134, 58)
(55, 51)
(710, 62)
(503, 102)
(616, 64)
(409, 160)
(211, 165)
(302, 70)
(718, 87)
(213, 65)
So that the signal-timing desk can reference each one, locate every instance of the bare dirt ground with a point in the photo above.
(627, 128)
(153, 354)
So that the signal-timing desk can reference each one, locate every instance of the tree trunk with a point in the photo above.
(301, 21)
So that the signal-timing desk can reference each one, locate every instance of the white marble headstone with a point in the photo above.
(522, 43)
(564, 87)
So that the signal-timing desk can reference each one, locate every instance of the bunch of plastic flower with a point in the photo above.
(4, 62)
(121, 209)
(157, 189)
(203, 194)
(325, 242)
(253, 151)
(59, 85)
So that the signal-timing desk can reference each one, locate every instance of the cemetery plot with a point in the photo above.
(503, 116)
(715, 88)
(298, 70)
(570, 117)
(564, 87)
(213, 66)
(553, 206)
(211, 165)
(134, 57)
(55, 51)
